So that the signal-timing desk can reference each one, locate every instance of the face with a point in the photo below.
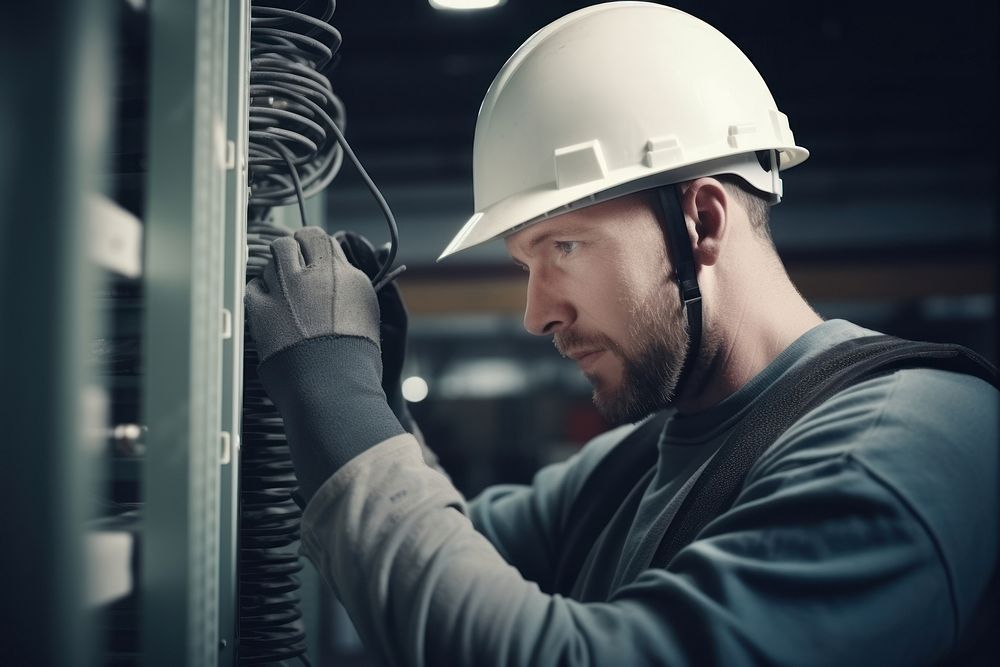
(600, 283)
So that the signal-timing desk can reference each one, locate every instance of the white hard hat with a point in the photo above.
(613, 99)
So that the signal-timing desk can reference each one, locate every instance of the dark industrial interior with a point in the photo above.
(891, 224)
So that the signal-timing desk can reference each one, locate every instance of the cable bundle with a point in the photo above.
(271, 629)
(296, 149)
(296, 120)
(294, 152)
(297, 143)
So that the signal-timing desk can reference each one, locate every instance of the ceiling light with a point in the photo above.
(466, 4)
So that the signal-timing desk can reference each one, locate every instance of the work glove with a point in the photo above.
(315, 320)
(392, 323)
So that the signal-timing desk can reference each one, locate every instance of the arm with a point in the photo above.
(525, 522)
(834, 553)
(813, 560)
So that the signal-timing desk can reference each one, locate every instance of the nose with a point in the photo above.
(547, 311)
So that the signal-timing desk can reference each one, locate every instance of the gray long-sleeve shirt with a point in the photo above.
(865, 535)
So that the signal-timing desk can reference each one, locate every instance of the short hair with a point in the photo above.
(756, 205)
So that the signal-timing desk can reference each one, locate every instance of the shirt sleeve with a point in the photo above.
(823, 560)
(525, 523)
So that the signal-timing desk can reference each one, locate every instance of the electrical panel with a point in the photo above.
(181, 137)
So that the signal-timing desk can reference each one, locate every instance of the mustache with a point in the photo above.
(568, 341)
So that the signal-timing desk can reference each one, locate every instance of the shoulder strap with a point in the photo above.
(796, 394)
(600, 496)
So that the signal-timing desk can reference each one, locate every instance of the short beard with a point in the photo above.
(652, 359)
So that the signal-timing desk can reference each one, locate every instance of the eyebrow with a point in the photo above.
(545, 236)
(540, 239)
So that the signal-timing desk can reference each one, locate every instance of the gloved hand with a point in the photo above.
(314, 318)
(392, 323)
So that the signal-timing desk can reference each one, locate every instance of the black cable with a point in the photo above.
(289, 122)
(292, 103)
(294, 173)
(296, 148)
(380, 278)
(296, 136)
(384, 276)
(270, 623)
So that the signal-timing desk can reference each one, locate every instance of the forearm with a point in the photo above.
(424, 588)
(430, 456)
(333, 408)
(420, 583)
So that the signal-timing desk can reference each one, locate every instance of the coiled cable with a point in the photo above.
(270, 622)
(295, 117)
(292, 154)
(296, 137)
(296, 140)
(296, 148)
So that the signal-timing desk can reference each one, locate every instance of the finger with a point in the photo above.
(364, 245)
(315, 245)
(359, 252)
(339, 256)
(256, 293)
(256, 289)
(269, 277)
(344, 243)
(345, 270)
(391, 302)
(286, 255)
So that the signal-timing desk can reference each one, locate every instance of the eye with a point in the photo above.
(566, 247)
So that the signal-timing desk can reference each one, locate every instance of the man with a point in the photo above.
(627, 154)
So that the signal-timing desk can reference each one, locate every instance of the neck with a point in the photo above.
(759, 323)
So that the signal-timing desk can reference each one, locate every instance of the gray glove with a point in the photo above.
(315, 320)
(309, 290)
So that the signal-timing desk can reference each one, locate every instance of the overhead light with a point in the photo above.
(466, 4)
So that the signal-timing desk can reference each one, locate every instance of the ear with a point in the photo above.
(706, 207)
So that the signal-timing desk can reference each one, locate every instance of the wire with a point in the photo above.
(294, 173)
(270, 623)
(296, 148)
(292, 104)
(296, 136)
(379, 280)
(292, 155)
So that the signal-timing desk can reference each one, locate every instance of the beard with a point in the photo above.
(652, 359)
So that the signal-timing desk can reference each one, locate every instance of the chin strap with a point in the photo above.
(679, 246)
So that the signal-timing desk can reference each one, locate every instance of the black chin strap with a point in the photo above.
(679, 246)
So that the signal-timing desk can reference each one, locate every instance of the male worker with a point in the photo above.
(623, 151)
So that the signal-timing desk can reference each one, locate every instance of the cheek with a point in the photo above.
(651, 273)
(611, 291)
(604, 302)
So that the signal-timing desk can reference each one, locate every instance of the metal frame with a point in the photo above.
(194, 271)
(183, 346)
(232, 352)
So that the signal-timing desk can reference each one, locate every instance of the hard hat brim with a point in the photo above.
(546, 202)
